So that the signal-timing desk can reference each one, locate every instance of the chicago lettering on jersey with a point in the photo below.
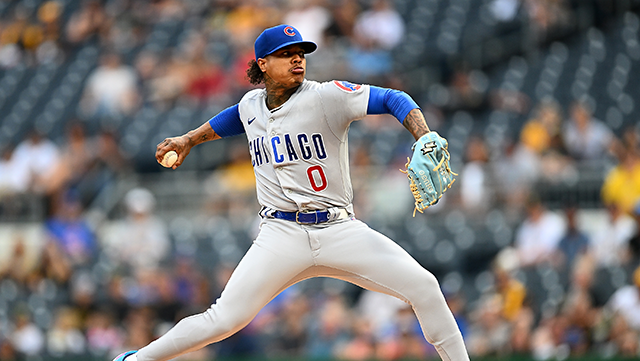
(287, 148)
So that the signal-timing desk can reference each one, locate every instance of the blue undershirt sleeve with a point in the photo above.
(227, 123)
(390, 101)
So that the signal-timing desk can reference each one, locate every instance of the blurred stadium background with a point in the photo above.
(536, 246)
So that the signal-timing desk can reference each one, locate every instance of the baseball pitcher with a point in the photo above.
(296, 132)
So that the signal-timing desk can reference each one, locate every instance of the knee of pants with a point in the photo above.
(226, 321)
(426, 289)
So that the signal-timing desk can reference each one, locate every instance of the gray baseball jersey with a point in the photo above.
(300, 150)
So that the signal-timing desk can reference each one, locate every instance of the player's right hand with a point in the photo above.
(181, 145)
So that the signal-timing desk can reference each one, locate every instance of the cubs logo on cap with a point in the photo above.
(290, 31)
(278, 37)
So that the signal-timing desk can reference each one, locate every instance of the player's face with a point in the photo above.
(285, 67)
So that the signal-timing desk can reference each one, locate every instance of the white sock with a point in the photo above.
(131, 358)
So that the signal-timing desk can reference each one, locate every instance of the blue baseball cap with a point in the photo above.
(277, 37)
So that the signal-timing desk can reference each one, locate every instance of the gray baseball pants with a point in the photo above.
(284, 253)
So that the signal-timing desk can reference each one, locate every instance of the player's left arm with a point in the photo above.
(416, 124)
(400, 105)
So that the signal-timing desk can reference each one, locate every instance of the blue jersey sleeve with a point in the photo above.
(227, 123)
(390, 101)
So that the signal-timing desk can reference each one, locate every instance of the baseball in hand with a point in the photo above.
(169, 159)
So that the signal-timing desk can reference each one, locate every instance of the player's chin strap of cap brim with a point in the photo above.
(313, 217)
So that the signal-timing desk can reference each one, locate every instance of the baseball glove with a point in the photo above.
(429, 170)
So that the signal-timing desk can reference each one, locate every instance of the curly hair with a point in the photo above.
(254, 73)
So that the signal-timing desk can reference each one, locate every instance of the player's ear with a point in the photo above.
(262, 63)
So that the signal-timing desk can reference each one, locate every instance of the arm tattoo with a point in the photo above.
(206, 137)
(415, 123)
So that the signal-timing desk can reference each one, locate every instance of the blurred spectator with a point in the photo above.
(521, 332)
(344, 14)
(389, 203)
(146, 64)
(542, 133)
(88, 21)
(634, 241)
(539, 235)
(579, 307)
(170, 81)
(379, 310)
(87, 164)
(467, 89)
(27, 338)
(404, 341)
(489, 332)
(575, 243)
(65, 337)
(110, 90)
(622, 183)
(500, 310)
(376, 32)
(83, 292)
(166, 10)
(362, 345)
(10, 180)
(35, 160)
(193, 288)
(512, 293)
(475, 178)
(49, 15)
(7, 352)
(166, 303)
(625, 302)
(381, 26)
(609, 243)
(545, 17)
(53, 266)
(232, 187)
(331, 329)
(25, 42)
(504, 10)
(139, 325)
(209, 82)
(517, 170)
(15, 266)
(247, 18)
(290, 337)
(549, 338)
(111, 160)
(103, 335)
(310, 17)
(69, 230)
(368, 63)
(49, 51)
(586, 138)
(141, 241)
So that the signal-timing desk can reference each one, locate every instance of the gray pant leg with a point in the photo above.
(373, 261)
(279, 257)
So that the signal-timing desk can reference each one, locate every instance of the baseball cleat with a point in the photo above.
(124, 355)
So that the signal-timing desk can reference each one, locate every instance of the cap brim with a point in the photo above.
(307, 46)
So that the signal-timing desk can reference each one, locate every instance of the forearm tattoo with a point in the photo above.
(415, 123)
